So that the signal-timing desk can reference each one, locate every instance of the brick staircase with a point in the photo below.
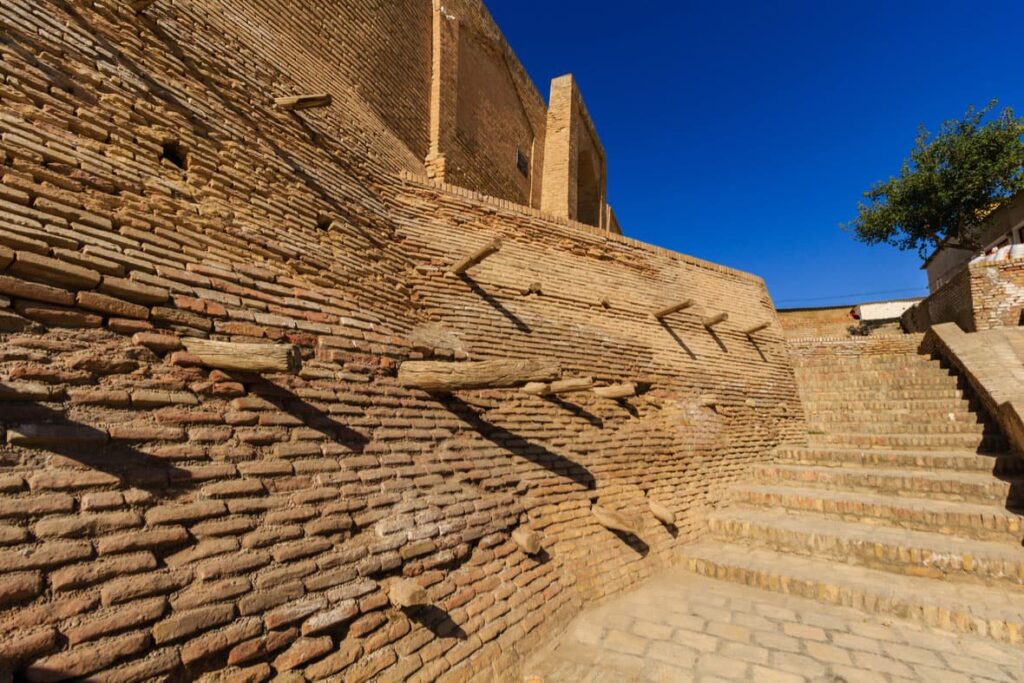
(904, 503)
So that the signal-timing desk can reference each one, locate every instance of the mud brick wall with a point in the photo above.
(817, 322)
(159, 519)
(809, 350)
(952, 302)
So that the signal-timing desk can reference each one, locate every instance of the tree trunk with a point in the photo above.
(245, 357)
(439, 376)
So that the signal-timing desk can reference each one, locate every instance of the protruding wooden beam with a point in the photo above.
(757, 328)
(567, 386)
(615, 520)
(476, 257)
(662, 513)
(713, 320)
(407, 593)
(245, 357)
(441, 376)
(533, 288)
(536, 388)
(673, 308)
(139, 5)
(527, 540)
(298, 102)
(708, 401)
(616, 390)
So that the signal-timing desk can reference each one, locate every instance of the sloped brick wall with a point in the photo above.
(161, 519)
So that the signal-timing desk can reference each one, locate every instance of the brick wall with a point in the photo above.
(981, 297)
(158, 518)
(817, 322)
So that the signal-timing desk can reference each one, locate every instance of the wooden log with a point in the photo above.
(673, 308)
(757, 328)
(440, 376)
(245, 357)
(537, 388)
(615, 520)
(527, 540)
(407, 593)
(713, 320)
(662, 513)
(476, 257)
(708, 401)
(139, 5)
(297, 102)
(616, 390)
(567, 386)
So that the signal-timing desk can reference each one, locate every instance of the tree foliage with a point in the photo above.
(948, 186)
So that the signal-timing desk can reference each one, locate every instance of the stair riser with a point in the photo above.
(882, 406)
(877, 393)
(968, 463)
(992, 491)
(956, 621)
(926, 442)
(833, 382)
(885, 426)
(997, 526)
(895, 416)
(882, 556)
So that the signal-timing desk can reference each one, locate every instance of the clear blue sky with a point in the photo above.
(745, 132)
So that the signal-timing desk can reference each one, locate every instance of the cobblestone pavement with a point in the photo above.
(682, 627)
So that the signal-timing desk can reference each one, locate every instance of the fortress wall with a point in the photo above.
(161, 519)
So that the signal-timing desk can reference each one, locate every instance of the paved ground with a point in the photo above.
(682, 627)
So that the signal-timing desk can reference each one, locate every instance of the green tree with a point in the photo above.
(948, 186)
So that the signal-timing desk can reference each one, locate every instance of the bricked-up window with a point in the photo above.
(522, 163)
(174, 153)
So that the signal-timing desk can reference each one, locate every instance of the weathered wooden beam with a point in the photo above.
(757, 328)
(139, 5)
(713, 320)
(616, 390)
(407, 593)
(615, 520)
(567, 386)
(298, 102)
(536, 388)
(673, 308)
(440, 376)
(662, 513)
(476, 257)
(245, 357)
(527, 540)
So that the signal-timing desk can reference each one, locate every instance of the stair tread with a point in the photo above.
(924, 504)
(984, 459)
(934, 475)
(982, 601)
(871, 533)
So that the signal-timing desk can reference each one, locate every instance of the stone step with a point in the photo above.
(868, 362)
(955, 607)
(968, 487)
(871, 380)
(884, 548)
(877, 393)
(896, 415)
(880, 405)
(979, 442)
(883, 425)
(984, 522)
(961, 461)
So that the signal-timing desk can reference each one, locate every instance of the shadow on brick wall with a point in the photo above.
(533, 452)
(497, 305)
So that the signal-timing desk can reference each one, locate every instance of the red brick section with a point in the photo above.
(162, 519)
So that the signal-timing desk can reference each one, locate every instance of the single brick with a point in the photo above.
(45, 269)
(108, 305)
(133, 291)
(86, 659)
(189, 622)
